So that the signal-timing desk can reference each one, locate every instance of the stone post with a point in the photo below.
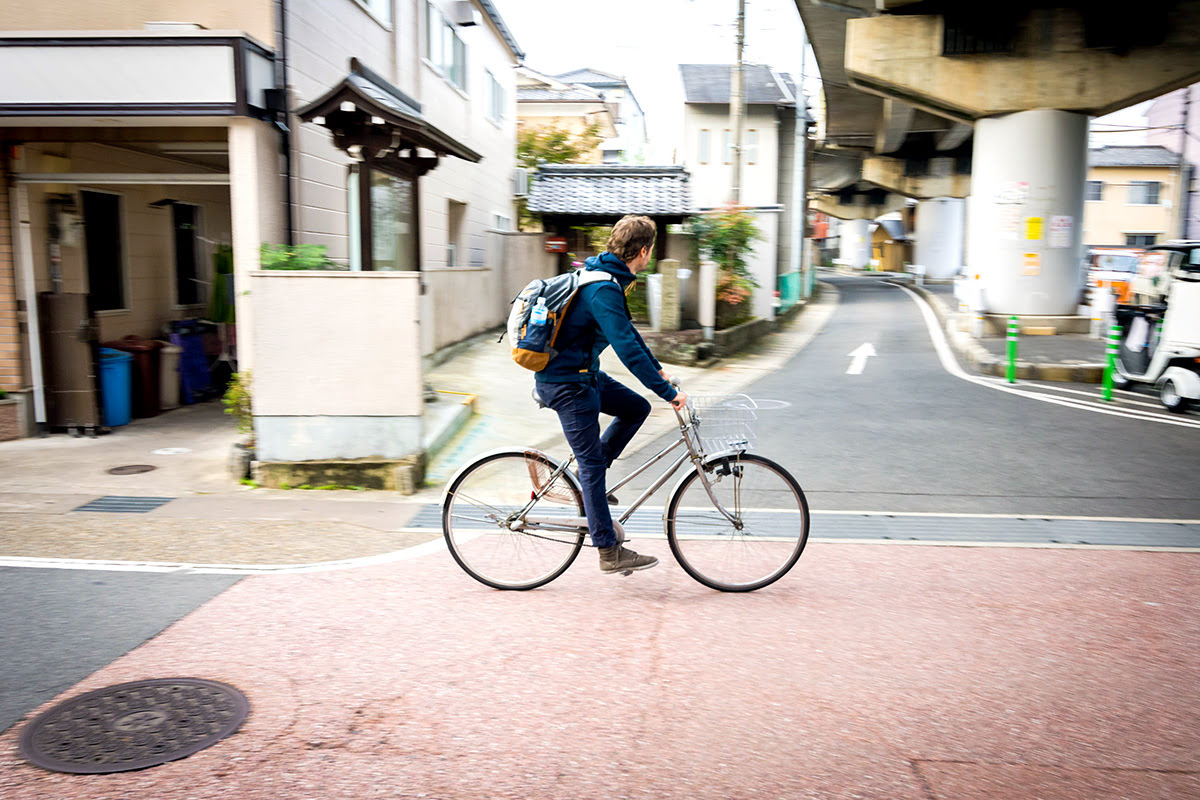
(669, 316)
(708, 297)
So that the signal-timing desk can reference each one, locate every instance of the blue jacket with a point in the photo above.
(598, 318)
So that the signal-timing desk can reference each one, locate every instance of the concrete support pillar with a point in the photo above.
(256, 213)
(1026, 211)
(940, 234)
(854, 243)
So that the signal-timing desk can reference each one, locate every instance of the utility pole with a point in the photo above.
(1182, 173)
(735, 105)
(799, 176)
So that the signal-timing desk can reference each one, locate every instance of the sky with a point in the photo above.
(646, 40)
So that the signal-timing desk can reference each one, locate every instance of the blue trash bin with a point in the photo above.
(116, 386)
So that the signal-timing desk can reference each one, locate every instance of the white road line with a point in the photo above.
(950, 364)
(1095, 396)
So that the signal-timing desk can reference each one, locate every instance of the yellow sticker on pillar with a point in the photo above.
(1033, 229)
(1032, 264)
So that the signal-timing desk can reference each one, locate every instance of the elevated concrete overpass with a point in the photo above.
(924, 93)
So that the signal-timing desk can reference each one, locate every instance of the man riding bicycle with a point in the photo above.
(573, 385)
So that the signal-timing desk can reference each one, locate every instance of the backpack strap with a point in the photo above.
(584, 277)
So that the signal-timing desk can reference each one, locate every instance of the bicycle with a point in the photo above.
(735, 522)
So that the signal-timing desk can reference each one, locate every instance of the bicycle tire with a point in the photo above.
(701, 565)
(510, 476)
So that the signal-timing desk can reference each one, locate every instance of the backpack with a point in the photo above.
(533, 345)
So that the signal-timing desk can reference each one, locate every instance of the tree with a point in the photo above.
(554, 145)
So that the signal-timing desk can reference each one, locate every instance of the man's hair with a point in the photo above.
(630, 235)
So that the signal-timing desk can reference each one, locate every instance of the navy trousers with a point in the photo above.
(579, 406)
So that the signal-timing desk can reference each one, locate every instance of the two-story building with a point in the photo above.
(1131, 195)
(769, 146)
(547, 104)
(139, 140)
(629, 145)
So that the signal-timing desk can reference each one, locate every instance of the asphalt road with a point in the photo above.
(905, 435)
(59, 626)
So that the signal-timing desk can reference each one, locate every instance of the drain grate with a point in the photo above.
(132, 469)
(133, 725)
(121, 504)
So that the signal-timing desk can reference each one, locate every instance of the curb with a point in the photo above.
(455, 423)
(987, 363)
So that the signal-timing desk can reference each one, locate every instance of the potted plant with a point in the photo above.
(727, 237)
(237, 405)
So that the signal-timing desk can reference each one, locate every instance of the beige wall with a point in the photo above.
(11, 370)
(711, 181)
(255, 17)
(149, 258)
(1107, 221)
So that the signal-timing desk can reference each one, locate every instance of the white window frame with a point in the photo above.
(496, 99)
(1087, 189)
(1144, 185)
(126, 282)
(378, 10)
(705, 145)
(1156, 234)
(501, 222)
(727, 146)
(440, 48)
(752, 146)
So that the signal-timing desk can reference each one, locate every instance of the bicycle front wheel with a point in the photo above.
(763, 541)
(478, 519)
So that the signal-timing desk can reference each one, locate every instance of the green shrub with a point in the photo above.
(301, 256)
(237, 404)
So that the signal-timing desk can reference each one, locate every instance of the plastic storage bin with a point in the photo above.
(116, 382)
(145, 372)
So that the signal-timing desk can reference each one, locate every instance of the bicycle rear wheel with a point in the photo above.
(484, 495)
(771, 530)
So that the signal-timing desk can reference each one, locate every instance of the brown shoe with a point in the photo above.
(617, 559)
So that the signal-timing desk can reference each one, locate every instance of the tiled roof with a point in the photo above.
(591, 77)
(610, 190)
(538, 94)
(711, 83)
(498, 21)
(1135, 156)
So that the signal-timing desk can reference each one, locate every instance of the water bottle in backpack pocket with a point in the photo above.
(538, 313)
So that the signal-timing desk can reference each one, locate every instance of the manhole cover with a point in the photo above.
(131, 469)
(133, 725)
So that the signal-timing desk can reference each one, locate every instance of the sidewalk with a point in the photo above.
(1066, 357)
(207, 519)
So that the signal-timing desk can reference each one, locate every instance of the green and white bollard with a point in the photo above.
(1114, 347)
(1014, 332)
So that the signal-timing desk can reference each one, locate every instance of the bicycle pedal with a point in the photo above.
(627, 572)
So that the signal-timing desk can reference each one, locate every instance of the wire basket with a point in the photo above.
(724, 421)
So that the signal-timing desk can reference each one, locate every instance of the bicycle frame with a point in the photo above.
(694, 453)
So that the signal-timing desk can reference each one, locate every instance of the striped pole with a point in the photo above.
(1114, 347)
(1014, 331)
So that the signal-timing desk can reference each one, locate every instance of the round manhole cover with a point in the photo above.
(131, 469)
(133, 725)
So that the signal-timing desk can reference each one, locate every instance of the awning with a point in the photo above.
(366, 111)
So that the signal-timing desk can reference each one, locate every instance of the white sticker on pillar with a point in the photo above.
(1032, 264)
(1060, 231)
(1010, 222)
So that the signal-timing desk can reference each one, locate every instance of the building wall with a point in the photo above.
(711, 181)
(1106, 222)
(255, 17)
(575, 125)
(11, 370)
(148, 238)
(1168, 111)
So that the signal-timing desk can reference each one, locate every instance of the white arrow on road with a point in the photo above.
(860, 356)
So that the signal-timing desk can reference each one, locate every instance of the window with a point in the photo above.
(102, 248)
(1140, 239)
(1093, 191)
(443, 47)
(186, 223)
(380, 9)
(727, 147)
(752, 147)
(501, 222)
(705, 137)
(1143, 193)
(390, 225)
(495, 97)
(456, 219)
